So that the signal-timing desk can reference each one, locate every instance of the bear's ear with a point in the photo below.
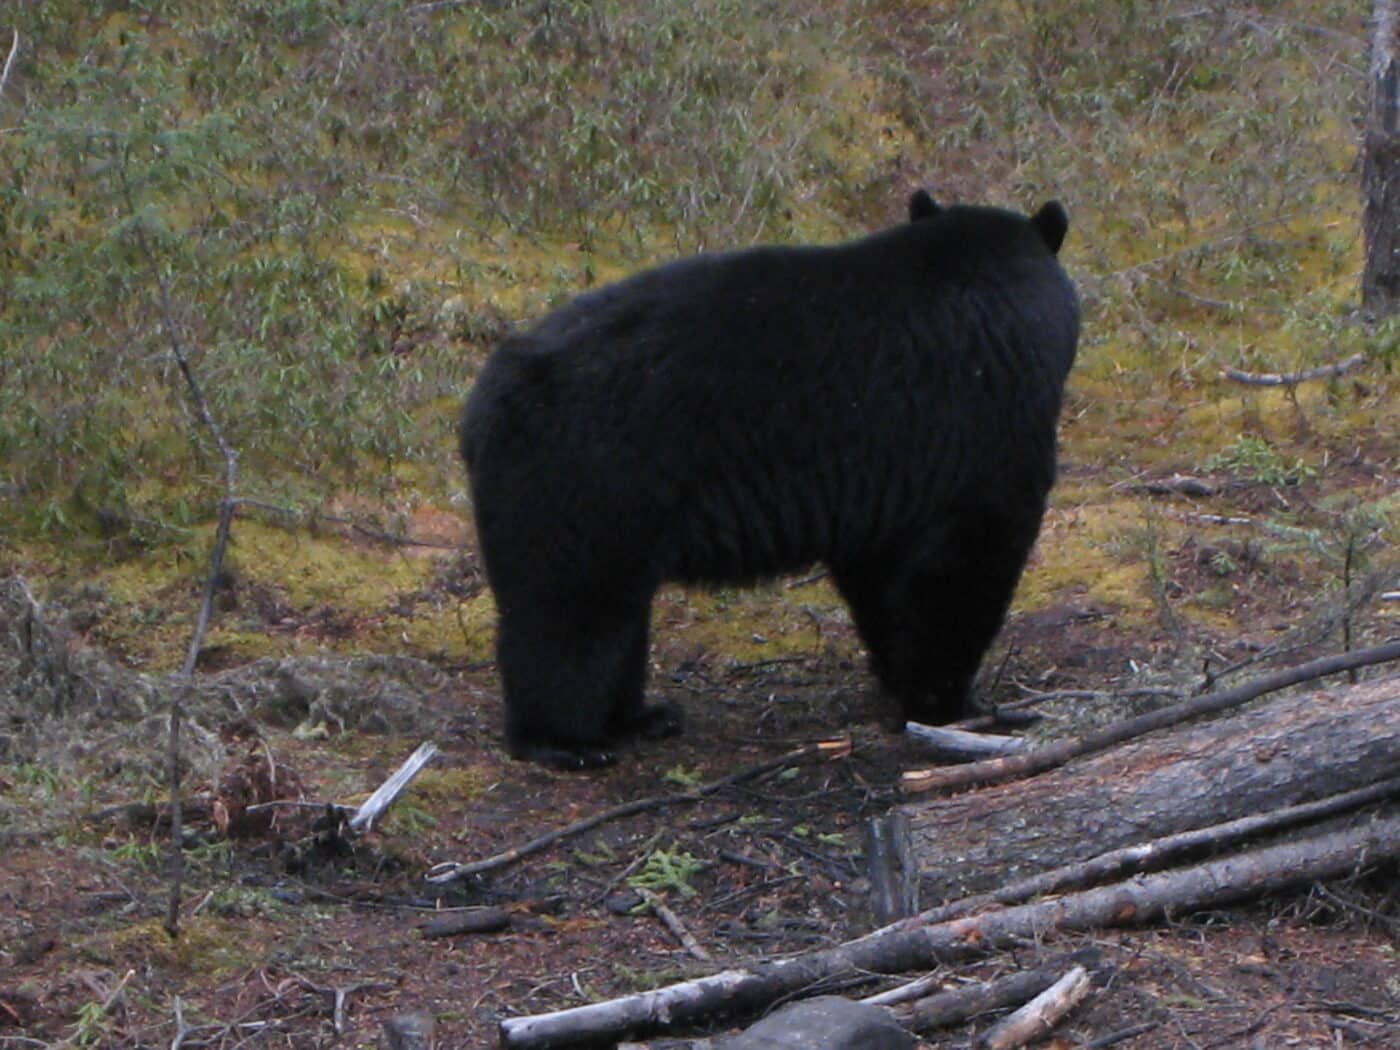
(922, 206)
(1052, 222)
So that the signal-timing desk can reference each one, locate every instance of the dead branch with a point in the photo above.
(384, 796)
(309, 518)
(891, 867)
(962, 1004)
(171, 329)
(910, 991)
(1038, 1017)
(363, 818)
(1123, 1034)
(338, 996)
(487, 919)
(958, 745)
(10, 61)
(1338, 368)
(448, 871)
(901, 947)
(672, 922)
(1177, 485)
(1051, 755)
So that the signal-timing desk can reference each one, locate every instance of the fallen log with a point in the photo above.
(902, 948)
(947, 1009)
(1156, 854)
(1280, 752)
(1038, 1017)
(1036, 760)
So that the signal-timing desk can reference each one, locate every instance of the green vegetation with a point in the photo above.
(1254, 459)
(666, 870)
(338, 205)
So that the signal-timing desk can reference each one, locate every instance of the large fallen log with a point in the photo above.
(1039, 759)
(1276, 753)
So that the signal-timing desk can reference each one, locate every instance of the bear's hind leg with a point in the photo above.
(631, 715)
(960, 598)
(928, 623)
(881, 606)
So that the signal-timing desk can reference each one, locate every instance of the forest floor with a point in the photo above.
(279, 918)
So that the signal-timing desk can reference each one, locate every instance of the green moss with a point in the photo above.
(1083, 551)
(437, 789)
(749, 625)
(209, 945)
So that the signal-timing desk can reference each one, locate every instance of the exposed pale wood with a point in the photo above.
(951, 1008)
(1331, 371)
(1051, 755)
(890, 865)
(925, 987)
(9, 62)
(384, 796)
(673, 922)
(902, 948)
(1038, 1017)
(1283, 751)
(947, 744)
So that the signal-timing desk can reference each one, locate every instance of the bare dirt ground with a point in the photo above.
(289, 937)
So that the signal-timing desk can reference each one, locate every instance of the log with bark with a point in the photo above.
(1280, 752)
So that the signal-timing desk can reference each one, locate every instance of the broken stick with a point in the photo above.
(1294, 378)
(1038, 1017)
(373, 807)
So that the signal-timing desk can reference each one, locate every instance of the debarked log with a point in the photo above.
(1278, 752)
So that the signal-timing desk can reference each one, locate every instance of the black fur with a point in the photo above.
(886, 407)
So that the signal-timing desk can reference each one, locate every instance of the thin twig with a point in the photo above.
(303, 517)
(1294, 378)
(449, 871)
(216, 561)
(10, 61)
(672, 922)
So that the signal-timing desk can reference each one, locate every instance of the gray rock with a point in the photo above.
(825, 1023)
(409, 1031)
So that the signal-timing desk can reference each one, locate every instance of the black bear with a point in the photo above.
(886, 407)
